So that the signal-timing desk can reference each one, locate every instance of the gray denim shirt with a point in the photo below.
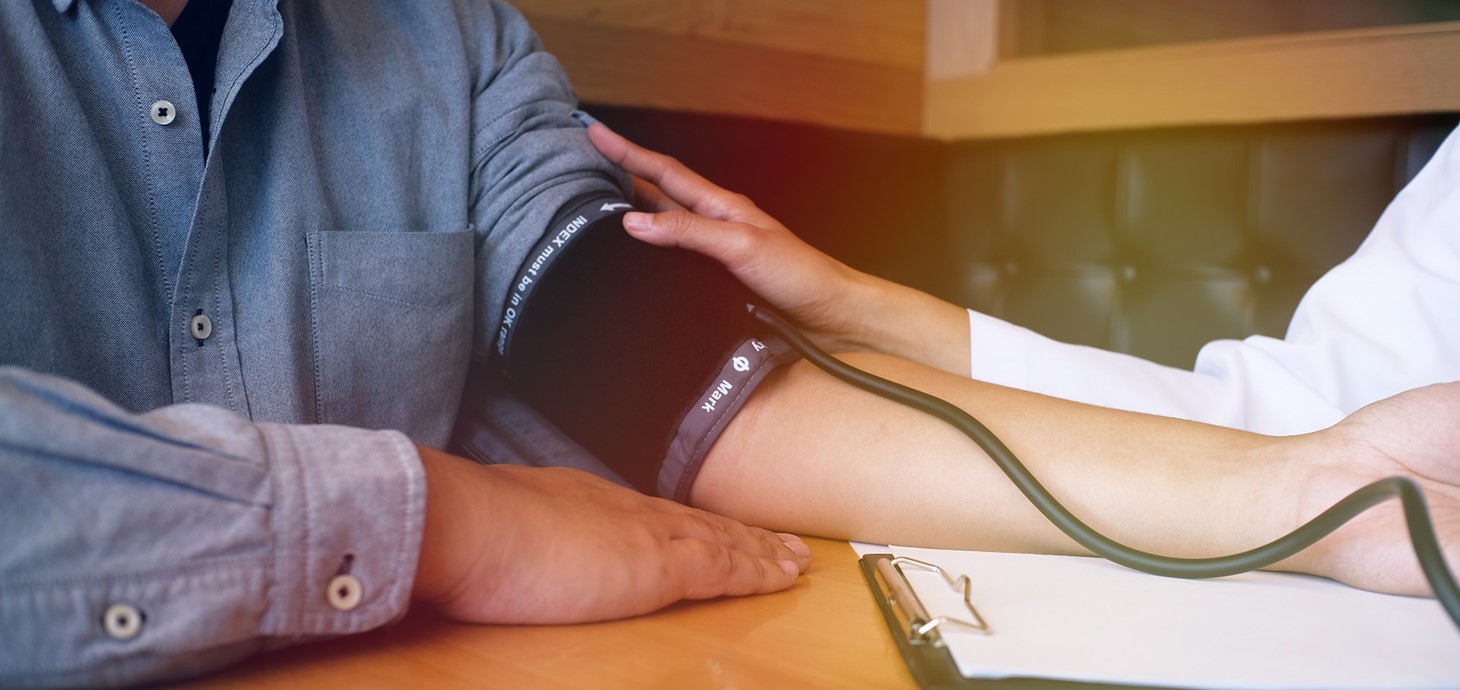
(200, 355)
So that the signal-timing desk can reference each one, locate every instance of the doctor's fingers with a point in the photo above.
(736, 245)
(677, 181)
(647, 197)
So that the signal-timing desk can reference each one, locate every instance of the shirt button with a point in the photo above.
(122, 621)
(163, 113)
(345, 592)
(200, 327)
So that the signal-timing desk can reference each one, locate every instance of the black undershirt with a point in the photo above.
(198, 32)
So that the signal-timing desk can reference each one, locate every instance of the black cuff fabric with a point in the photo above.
(640, 353)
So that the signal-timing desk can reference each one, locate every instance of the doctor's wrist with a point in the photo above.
(904, 322)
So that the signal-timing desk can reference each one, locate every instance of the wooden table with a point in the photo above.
(824, 632)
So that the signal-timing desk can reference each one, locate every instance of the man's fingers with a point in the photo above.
(709, 570)
(681, 184)
(752, 541)
(798, 547)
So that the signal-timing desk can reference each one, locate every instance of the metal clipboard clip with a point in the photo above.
(920, 627)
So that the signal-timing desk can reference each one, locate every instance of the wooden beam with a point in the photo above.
(634, 67)
(1389, 70)
(878, 32)
(963, 37)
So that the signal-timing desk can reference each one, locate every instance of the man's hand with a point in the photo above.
(842, 309)
(507, 544)
(1413, 434)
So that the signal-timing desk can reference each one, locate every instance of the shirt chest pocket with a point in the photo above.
(391, 328)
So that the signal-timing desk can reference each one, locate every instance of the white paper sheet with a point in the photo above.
(1087, 619)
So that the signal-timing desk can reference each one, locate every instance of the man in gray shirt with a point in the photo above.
(202, 343)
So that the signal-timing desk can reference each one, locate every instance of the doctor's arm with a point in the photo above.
(839, 307)
(877, 469)
(846, 310)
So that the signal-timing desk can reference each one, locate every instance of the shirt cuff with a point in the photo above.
(349, 509)
(996, 351)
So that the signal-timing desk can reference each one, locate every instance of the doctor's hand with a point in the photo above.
(840, 308)
(508, 544)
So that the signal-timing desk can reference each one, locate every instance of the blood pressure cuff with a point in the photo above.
(641, 354)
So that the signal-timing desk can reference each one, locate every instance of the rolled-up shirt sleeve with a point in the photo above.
(530, 157)
(153, 546)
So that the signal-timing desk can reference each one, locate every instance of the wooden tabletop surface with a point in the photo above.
(824, 632)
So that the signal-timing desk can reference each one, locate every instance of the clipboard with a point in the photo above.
(1080, 623)
(919, 636)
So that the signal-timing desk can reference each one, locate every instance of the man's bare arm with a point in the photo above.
(813, 455)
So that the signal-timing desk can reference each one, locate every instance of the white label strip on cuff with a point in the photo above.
(714, 409)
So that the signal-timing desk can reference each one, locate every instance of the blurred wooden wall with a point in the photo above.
(850, 64)
(972, 69)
